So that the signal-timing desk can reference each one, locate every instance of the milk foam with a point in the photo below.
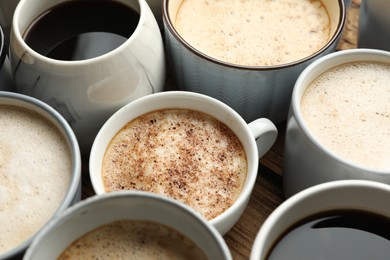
(127, 239)
(348, 110)
(183, 154)
(35, 172)
(254, 32)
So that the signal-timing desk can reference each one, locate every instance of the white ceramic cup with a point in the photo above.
(374, 23)
(87, 92)
(126, 205)
(253, 91)
(73, 194)
(337, 195)
(262, 130)
(306, 161)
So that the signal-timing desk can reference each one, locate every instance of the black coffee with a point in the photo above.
(79, 30)
(350, 234)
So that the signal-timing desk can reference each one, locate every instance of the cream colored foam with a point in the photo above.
(348, 110)
(128, 239)
(254, 32)
(182, 154)
(34, 174)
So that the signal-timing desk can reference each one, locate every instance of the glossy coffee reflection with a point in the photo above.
(79, 30)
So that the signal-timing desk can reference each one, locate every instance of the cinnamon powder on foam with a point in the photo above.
(179, 153)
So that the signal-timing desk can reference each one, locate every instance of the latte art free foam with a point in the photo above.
(35, 173)
(128, 239)
(348, 110)
(183, 154)
(254, 32)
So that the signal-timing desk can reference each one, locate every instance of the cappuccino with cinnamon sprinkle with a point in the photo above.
(183, 154)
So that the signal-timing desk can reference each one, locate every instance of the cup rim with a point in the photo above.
(251, 157)
(74, 150)
(350, 55)
(111, 54)
(297, 198)
(80, 206)
(169, 26)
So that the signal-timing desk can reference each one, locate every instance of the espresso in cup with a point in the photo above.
(254, 33)
(180, 153)
(347, 110)
(133, 239)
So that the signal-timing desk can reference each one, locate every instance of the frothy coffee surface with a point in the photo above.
(127, 239)
(254, 32)
(35, 172)
(348, 110)
(183, 154)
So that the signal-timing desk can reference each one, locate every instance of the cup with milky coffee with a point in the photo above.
(40, 168)
(339, 122)
(185, 146)
(129, 225)
(248, 54)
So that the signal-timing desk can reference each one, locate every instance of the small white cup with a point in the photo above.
(87, 92)
(307, 161)
(126, 205)
(73, 194)
(336, 195)
(262, 130)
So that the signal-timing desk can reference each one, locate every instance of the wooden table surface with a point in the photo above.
(267, 193)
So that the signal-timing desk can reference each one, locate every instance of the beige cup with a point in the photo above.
(126, 205)
(253, 91)
(15, 185)
(256, 138)
(362, 195)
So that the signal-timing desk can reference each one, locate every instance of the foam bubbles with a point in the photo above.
(348, 110)
(254, 32)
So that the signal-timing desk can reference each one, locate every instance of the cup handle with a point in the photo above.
(265, 134)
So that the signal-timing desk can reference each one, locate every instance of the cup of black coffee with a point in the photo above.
(345, 219)
(86, 58)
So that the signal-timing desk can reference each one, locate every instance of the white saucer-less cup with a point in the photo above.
(88, 92)
(126, 205)
(306, 161)
(262, 131)
(362, 195)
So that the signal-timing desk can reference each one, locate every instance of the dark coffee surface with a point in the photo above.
(349, 234)
(79, 30)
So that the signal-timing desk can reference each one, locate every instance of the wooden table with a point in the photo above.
(267, 193)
